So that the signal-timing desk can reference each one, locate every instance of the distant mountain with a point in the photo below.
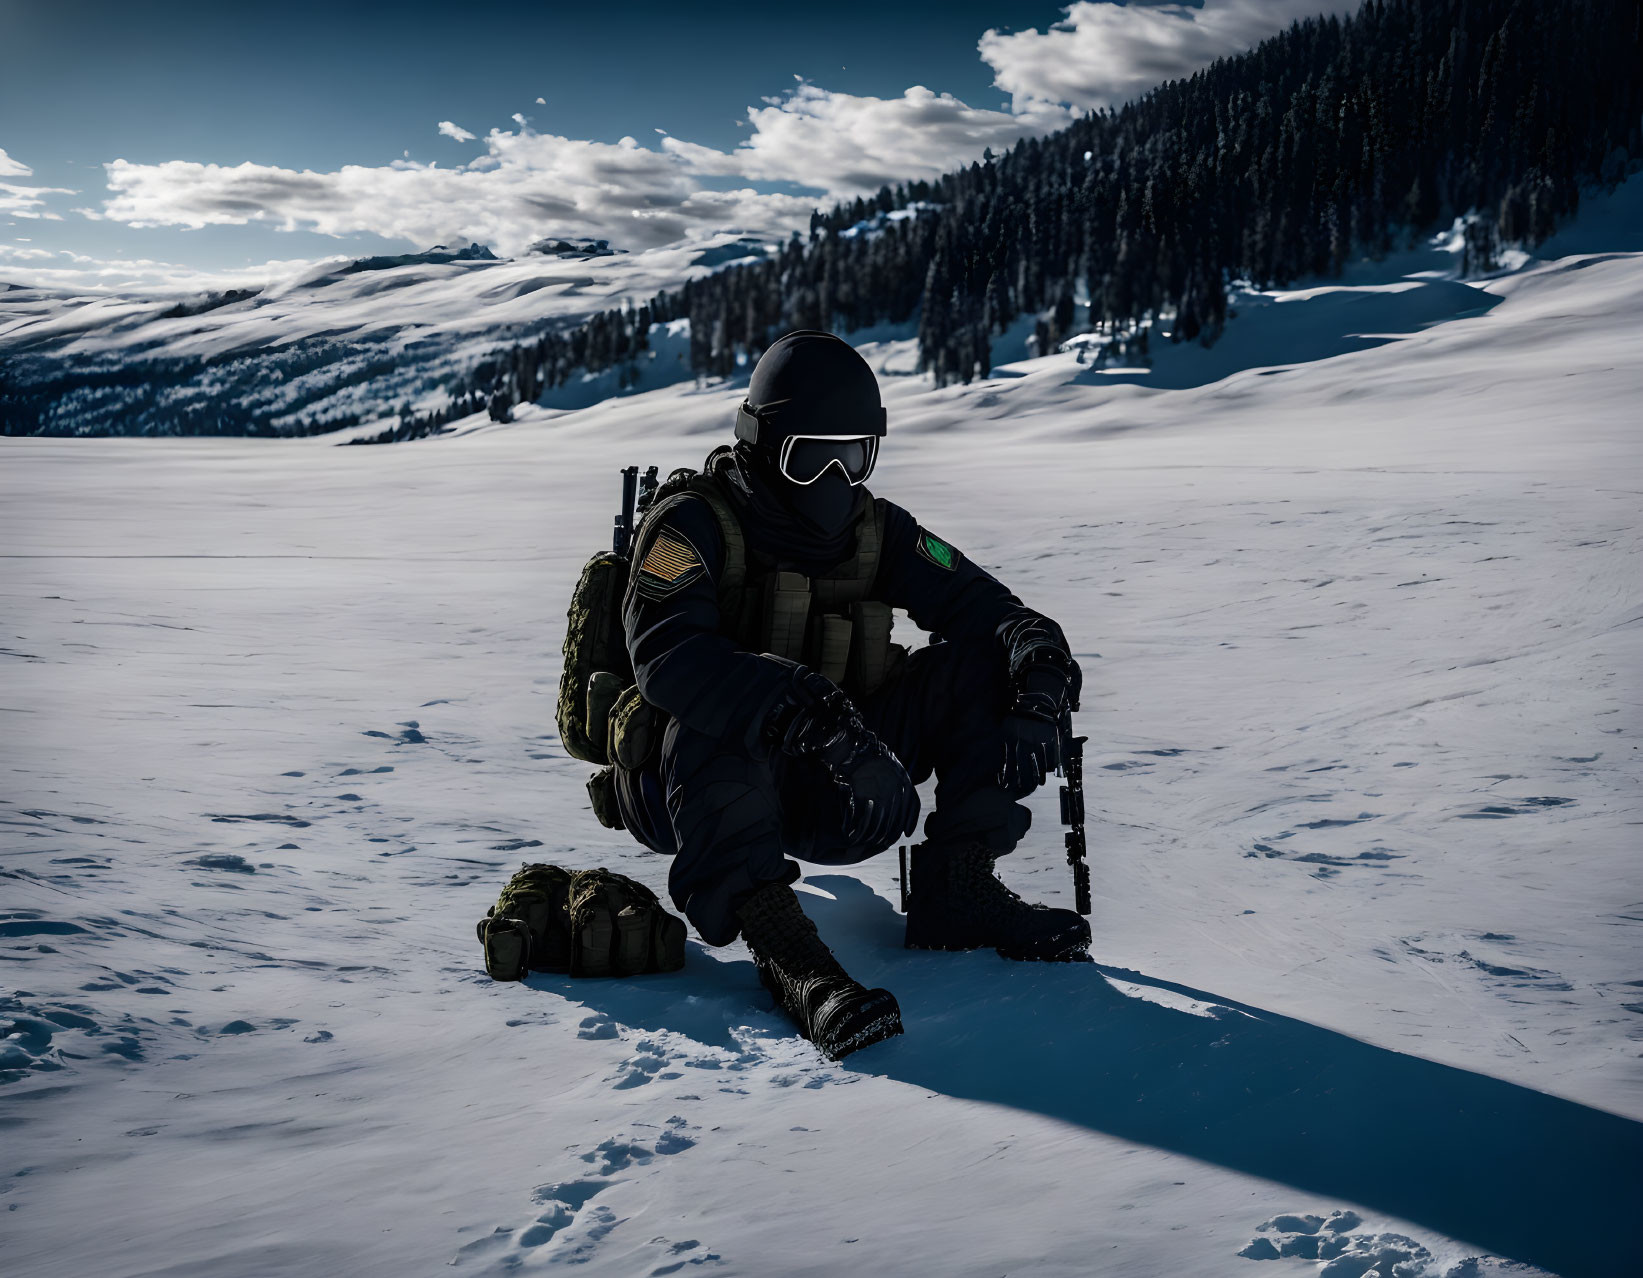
(384, 338)
(736, 251)
(573, 248)
(438, 255)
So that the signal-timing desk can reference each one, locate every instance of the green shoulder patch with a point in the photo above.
(937, 551)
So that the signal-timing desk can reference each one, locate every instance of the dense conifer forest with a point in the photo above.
(1337, 137)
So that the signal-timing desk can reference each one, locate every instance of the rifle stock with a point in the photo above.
(622, 538)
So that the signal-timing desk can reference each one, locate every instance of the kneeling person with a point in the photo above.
(758, 618)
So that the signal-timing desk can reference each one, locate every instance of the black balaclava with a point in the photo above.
(807, 383)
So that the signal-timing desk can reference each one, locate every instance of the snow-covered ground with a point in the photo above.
(1358, 604)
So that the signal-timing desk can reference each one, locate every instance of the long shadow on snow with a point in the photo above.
(1517, 1172)
(1521, 1173)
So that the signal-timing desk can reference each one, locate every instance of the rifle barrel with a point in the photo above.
(1072, 815)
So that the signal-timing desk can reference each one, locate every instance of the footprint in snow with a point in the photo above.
(678, 1256)
(560, 1204)
(570, 1220)
(560, 1207)
(412, 734)
(650, 1062)
(618, 1153)
(1510, 977)
(229, 861)
(1501, 811)
(1340, 1252)
(45, 1037)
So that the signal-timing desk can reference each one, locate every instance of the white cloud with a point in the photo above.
(1104, 54)
(526, 186)
(29, 201)
(79, 273)
(844, 144)
(25, 201)
(530, 185)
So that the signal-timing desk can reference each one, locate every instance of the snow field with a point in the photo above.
(1361, 641)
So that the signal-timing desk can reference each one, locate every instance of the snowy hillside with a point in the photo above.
(1356, 596)
(345, 341)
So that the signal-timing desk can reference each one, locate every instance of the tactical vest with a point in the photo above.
(826, 622)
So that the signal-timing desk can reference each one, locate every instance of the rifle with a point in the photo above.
(637, 495)
(1072, 811)
(1072, 816)
(622, 539)
(647, 492)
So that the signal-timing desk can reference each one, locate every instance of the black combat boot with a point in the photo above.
(955, 902)
(831, 1010)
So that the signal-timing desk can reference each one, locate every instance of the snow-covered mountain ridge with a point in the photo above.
(1358, 610)
(346, 341)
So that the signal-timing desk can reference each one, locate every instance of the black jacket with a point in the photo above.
(685, 665)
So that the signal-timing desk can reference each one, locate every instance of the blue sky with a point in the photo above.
(174, 143)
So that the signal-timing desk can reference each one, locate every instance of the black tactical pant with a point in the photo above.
(731, 820)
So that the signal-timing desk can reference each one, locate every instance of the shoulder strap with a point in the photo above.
(710, 486)
(730, 529)
(869, 542)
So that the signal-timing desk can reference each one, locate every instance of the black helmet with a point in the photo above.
(813, 404)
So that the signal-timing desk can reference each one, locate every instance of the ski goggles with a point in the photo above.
(803, 459)
(806, 458)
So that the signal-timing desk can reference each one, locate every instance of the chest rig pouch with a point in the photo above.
(828, 622)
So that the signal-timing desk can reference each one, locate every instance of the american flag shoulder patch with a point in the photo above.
(670, 564)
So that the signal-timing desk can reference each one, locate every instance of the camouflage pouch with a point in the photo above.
(635, 730)
(619, 928)
(528, 929)
(602, 798)
(596, 658)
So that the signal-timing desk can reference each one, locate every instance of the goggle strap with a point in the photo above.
(749, 423)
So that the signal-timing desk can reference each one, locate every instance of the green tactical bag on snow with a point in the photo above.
(528, 929)
(619, 928)
(578, 922)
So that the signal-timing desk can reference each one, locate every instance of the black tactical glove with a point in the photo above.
(815, 720)
(1044, 685)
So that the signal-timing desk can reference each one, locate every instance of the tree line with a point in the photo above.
(1339, 136)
